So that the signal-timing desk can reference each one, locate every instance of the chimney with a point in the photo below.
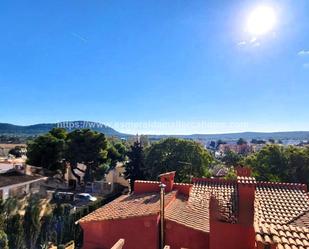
(246, 195)
(243, 171)
(168, 180)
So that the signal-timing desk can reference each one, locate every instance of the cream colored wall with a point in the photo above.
(117, 175)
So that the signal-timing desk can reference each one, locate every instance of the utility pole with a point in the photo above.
(162, 195)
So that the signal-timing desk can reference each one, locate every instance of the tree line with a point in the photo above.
(145, 160)
(187, 157)
(55, 149)
(275, 162)
(31, 224)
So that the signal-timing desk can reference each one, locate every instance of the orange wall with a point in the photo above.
(178, 236)
(142, 232)
(146, 187)
(231, 236)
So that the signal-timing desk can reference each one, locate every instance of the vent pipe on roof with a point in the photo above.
(162, 194)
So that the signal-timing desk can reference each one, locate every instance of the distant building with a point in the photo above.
(208, 214)
(16, 184)
(80, 171)
(4, 167)
(9, 164)
(116, 176)
(106, 185)
(239, 149)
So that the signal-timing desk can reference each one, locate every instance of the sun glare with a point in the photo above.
(261, 21)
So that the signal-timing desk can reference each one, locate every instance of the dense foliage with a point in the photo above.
(32, 223)
(56, 148)
(16, 232)
(278, 163)
(87, 147)
(3, 240)
(36, 226)
(135, 166)
(187, 157)
(231, 158)
(48, 150)
(16, 151)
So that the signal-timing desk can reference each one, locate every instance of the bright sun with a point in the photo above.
(261, 21)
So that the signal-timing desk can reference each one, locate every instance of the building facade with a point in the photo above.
(207, 214)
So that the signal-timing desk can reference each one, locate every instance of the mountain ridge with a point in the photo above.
(41, 128)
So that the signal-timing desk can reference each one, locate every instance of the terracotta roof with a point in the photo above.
(282, 216)
(128, 206)
(286, 237)
(281, 210)
(302, 220)
(189, 214)
(13, 177)
(246, 180)
(279, 204)
(225, 192)
(194, 211)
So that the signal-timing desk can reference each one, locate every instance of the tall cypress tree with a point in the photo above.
(3, 240)
(32, 223)
(15, 232)
(135, 166)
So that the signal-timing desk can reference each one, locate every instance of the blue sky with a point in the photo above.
(148, 66)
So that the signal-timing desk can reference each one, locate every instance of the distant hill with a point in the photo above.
(289, 135)
(37, 129)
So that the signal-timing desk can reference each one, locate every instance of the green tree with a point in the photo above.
(87, 147)
(16, 232)
(3, 240)
(220, 141)
(16, 151)
(144, 140)
(278, 163)
(47, 151)
(256, 141)
(7, 209)
(298, 164)
(47, 231)
(231, 174)
(116, 152)
(269, 164)
(212, 144)
(135, 165)
(231, 158)
(32, 223)
(241, 141)
(2, 215)
(188, 158)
